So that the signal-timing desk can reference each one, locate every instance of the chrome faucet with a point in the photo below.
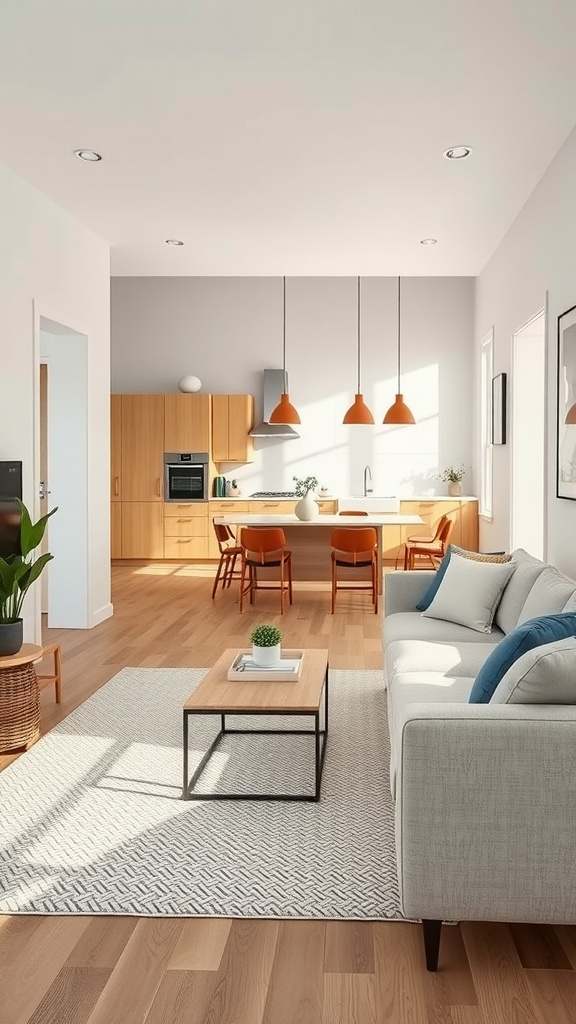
(367, 477)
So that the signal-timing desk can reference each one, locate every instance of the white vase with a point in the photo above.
(307, 508)
(454, 489)
(189, 384)
(266, 657)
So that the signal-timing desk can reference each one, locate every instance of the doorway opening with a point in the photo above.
(528, 422)
(62, 471)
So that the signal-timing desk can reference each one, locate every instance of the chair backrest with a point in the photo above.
(223, 535)
(440, 528)
(352, 513)
(263, 541)
(354, 541)
(445, 533)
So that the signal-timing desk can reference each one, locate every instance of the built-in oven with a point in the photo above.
(186, 476)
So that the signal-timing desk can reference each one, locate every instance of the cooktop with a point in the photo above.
(274, 494)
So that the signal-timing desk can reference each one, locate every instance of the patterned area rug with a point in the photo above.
(92, 820)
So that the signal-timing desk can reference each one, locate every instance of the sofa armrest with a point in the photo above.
(485, 821)
(403, 590)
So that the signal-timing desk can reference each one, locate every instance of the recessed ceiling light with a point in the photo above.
(428, 241)
(174, 241)
(88, 154)
(457, 152)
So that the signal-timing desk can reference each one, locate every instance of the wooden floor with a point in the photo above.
(73, 970)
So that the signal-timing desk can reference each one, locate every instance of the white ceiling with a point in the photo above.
(288, 136)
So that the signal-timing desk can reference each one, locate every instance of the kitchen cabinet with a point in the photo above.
(184, 549)
(142, 449)
(142, 529)
(187, 423)
(115, 448)
(232, 421)
(462, 511)
(116, 529)
(190, 508)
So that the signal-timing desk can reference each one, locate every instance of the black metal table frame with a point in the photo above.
(320, 739)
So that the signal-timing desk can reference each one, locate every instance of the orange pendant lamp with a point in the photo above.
(571, 415)
(399, 413)
(358, 411)
(284, 411)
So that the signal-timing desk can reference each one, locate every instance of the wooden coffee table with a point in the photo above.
(216, 695)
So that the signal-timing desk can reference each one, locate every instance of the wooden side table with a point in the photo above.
(19, 700)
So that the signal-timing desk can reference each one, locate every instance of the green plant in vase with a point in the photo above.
(266, 645)
(307, 508)
(17, 574)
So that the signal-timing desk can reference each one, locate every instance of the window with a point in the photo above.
(486, 362)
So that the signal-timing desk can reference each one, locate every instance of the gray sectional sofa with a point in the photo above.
(485, 794)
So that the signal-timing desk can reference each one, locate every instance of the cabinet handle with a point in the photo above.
(185, 520)
(158, 487)
(116, 485)
(271, 504)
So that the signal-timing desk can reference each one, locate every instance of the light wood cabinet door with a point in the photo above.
(142, 448)
(186, 526)
(142, 529)
(116, 529)
(222, 508)
(232, 421)
(469, 525)
(187, 423)
(174, 509)
(185, 548)
(116, 448)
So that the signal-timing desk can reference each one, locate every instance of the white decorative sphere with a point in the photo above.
(189, 384)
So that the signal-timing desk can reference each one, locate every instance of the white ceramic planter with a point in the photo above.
(266, 656)
(454, 489)
(307, 508)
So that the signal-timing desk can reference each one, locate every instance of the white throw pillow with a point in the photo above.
(544, 675)
(470, 592)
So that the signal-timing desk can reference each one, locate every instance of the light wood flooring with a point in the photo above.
(74, 970)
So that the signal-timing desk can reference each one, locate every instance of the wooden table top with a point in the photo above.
(26, 654)
(217, 693)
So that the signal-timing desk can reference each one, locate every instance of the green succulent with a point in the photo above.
(266, 636)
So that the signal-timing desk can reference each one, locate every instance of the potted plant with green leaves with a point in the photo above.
(453, 477)
(306, 509)
(17, 574)
(266, 646)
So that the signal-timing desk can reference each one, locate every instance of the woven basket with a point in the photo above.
(19, 708)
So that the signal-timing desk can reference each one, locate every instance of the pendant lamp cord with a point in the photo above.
(398, 391)
(358, 369)
(284, 330)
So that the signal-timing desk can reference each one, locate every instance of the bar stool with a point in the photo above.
(429, 547)
(265, 548)
(229, 552)
(355, 547)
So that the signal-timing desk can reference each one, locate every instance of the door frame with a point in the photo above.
(542, 312)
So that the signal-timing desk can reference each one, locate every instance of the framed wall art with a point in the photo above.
(499, 409)
(566, 406)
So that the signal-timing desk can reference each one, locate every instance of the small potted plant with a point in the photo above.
(17, 574)
(306, 509)
(453, 477)
(266, 645)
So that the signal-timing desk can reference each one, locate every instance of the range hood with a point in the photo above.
(275, 383)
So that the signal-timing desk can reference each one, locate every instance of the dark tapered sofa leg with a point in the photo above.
(432, 931)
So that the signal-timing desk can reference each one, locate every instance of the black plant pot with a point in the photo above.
(11, 637)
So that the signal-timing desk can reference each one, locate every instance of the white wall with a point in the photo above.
(227, 330)
(49, 258)
(536, 259)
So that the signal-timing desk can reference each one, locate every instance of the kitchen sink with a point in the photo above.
(372, 503)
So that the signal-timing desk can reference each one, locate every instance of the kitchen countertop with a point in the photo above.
(334, 497)
(289, 519)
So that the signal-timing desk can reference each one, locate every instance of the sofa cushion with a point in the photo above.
(451, 660)
(413, 626)
(533, 633)
(517, 589)
(419, 688)
(570, 605)
(549, 595)
(453, 549)
(470, 592)
(544, 675)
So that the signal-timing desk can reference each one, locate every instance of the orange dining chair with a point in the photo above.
(353, 547)
(229, 553)
(265, 548)
(352, 513)
(434, 548)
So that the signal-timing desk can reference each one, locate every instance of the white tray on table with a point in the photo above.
(288, 669)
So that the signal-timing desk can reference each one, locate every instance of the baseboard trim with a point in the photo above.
(102, 614)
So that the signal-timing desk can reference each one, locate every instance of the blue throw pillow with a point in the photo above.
(434, 587)
(544, 629)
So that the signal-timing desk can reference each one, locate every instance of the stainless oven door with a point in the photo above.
(185, 481)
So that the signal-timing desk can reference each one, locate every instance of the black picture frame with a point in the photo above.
(499, 417)
(566, 405)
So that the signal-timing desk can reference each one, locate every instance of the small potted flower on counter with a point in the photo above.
(453, 477)
(266, 645)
